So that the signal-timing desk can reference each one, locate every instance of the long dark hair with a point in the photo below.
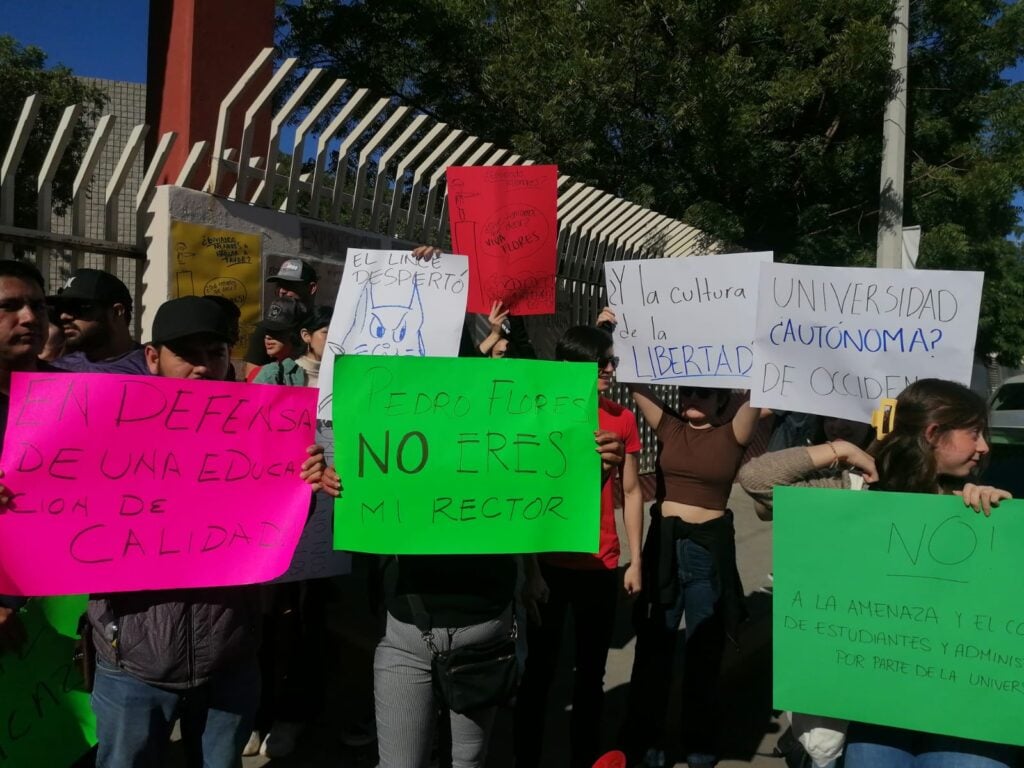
(905, 460)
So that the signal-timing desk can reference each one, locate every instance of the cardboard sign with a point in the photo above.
(315, 556)
(916, 607)
(390, 303)
(124, 483)
(466, 456)
(686, 320)
(834, 341)
(46, 716)
(505, 219)
(217, 262)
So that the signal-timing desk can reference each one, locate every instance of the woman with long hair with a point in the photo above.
(933, 441)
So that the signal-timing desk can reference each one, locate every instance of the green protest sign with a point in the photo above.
(45, 715)
(465, 456)
(899, 609)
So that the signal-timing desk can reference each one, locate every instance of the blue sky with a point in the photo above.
(107, 38)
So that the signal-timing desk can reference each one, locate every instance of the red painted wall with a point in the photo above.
(197, 51)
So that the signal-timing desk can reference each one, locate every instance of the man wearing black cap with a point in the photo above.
(95, 313)
(182, 653)
(295, 279)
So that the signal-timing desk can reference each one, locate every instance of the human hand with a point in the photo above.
(607, 316)
(425, 252)
(857, 458)
(314, 468)
(331, 483)
(633, 579)
(12, 631)
(497, 317)
(534, 592)
(982, 498)
(611, 448)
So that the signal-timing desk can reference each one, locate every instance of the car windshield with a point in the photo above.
(1010, 397)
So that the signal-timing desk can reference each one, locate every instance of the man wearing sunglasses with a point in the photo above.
(94, 309)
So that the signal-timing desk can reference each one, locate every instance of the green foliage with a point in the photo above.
(22, 73)
(758, 121)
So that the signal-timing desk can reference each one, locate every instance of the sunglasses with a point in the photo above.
(75, 308)
(692, 393)
(603, 361)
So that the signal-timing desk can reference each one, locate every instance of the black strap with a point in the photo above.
(420, 616)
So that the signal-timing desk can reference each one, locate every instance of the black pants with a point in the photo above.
(591, 596)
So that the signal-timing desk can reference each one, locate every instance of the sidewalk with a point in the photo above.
(748, 730)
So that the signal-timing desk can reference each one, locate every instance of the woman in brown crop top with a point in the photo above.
(692, 543)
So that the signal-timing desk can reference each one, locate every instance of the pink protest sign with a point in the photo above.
(505, 219)
(123, 483)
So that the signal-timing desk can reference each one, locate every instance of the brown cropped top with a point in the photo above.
(698, 465)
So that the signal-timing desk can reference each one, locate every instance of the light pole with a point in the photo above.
(894, 141)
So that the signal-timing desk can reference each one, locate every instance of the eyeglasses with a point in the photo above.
(602, 362)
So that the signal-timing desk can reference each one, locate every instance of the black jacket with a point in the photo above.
(177, 638)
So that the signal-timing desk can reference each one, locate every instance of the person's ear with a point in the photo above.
(306, 336)
(152, 359)
(931, 434)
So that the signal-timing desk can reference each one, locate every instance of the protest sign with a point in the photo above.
(217, 262)
(914, 609)
(122, 483)
(685, 320)
(834, 341)
(46, 716)
(505, 219)
(390, 303)
(315, 556)
(466, 456)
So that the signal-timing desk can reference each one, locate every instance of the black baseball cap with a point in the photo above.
(284, 314)
(190, 316)
(293, 271)
(93, 285)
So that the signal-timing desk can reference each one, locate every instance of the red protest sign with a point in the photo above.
(505, 219)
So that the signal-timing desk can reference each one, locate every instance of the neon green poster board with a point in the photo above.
(900, 609)
(465, 456)
(45, 715)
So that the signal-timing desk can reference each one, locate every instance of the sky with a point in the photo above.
(107, 38)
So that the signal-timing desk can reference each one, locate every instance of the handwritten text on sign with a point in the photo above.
(686, 320)
(45, 717)
(833, 341)
(391, 303)
(218, 262)
(505, 219)
(130, 483)
(915, 604)
(466, 456)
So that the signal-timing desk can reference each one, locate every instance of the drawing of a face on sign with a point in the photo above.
(385, 329)
(515, 232)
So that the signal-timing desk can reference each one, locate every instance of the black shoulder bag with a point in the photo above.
(471, 677)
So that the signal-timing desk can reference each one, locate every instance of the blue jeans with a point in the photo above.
(877, 746)
(702, 657)
(134, 719)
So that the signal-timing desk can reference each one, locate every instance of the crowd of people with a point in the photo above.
(196, 656)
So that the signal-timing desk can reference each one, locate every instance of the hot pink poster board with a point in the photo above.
(123, 483)
(505, 219)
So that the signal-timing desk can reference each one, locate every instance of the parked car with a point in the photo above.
(1006, 413)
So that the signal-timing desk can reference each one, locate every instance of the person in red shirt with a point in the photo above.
(585, 584)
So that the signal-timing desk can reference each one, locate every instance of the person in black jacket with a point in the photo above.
(188, 653)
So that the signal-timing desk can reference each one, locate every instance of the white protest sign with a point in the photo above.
(390, 303)
(685, 320)
(835, 340)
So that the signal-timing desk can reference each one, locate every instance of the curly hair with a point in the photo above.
(905, 459)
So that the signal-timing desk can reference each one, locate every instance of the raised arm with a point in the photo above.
(744, 423)
(650, 405)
